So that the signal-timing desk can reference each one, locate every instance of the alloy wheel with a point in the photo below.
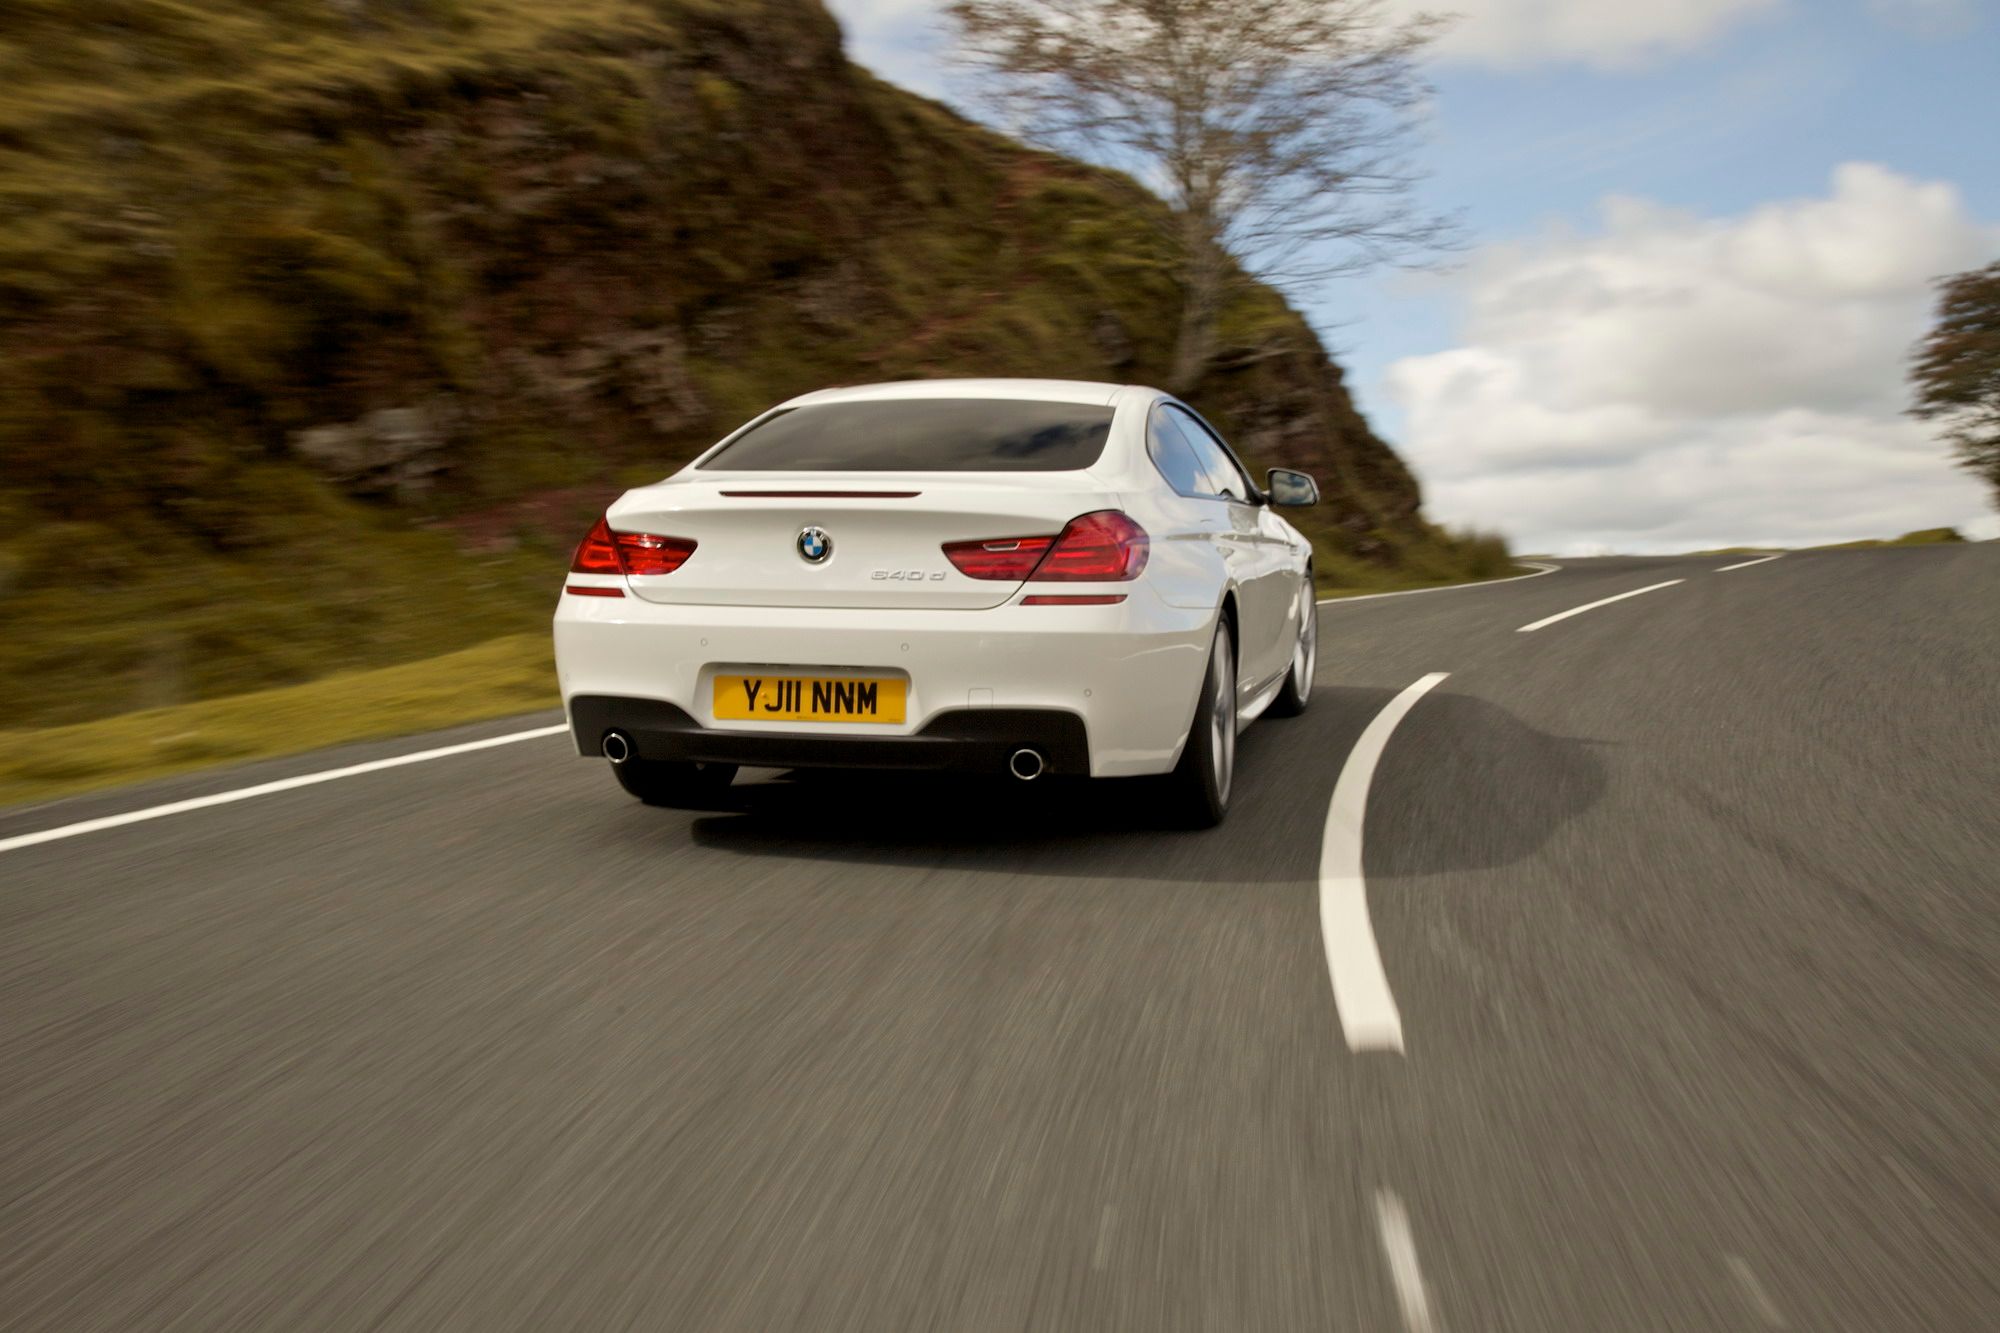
(1305, 654)
(1222, 716)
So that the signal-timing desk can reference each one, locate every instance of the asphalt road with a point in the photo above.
(1687, 903)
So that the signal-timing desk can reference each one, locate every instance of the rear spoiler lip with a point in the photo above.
(821, 495)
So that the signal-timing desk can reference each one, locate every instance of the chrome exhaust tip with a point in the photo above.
(1026, 764)
(617, 746)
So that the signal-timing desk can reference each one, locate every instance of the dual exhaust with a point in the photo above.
(1025, 763)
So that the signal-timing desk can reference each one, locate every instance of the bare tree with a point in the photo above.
(1278, 130)
(1956, 372)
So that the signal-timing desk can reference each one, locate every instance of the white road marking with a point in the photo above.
(1760, 560)
(1541, 568)
(1760, 1301)
(1106, 1222)
(268, 788)
(1592, 606)
(1401, 1248)
(1360, 989)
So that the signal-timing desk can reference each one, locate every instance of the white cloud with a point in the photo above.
(1604, 33)
(1675, 381)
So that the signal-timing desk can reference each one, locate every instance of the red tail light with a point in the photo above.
(603, 551)
(1104, 547)
(1012, 558)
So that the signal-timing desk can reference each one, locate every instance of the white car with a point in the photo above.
(987, 576)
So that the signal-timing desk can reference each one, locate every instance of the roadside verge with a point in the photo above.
(499, 678)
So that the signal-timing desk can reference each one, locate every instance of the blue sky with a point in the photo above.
(1701, 234)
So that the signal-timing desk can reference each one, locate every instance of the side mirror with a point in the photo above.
(1291, 489)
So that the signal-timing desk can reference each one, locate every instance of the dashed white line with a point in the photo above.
(1753, 1291)
(269, 788)
(1592, 606)
(1760, 560)
(1541, 568)
(1361, 992)
(1107, 1221)
(1401, 1248)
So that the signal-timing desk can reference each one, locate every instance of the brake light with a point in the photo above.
(1009, 558)
(644, 553)
(1104, 547)
(596, 553)
(603, 551)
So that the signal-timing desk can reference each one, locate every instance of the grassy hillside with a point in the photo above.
(1921, 537)
(326, 325)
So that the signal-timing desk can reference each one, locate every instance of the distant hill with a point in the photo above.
(326, 325)
(1922, 537)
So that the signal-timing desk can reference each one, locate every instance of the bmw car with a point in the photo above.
(1021, 578)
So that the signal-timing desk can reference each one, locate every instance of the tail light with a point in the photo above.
(1104, 547)
(603, 551)
(1012, 559)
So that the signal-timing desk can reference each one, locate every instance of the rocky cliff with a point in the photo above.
(323, 323)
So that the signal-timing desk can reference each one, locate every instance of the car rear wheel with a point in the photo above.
(674, 785)
(1198, 788)
(1296, 692)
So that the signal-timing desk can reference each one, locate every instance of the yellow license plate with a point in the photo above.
(809, 699)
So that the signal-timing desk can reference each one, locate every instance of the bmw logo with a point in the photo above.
(814, 545)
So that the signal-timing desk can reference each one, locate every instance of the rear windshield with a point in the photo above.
(923, 435)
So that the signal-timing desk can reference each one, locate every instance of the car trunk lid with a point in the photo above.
(883, 535)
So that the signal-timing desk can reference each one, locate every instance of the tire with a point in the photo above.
(1197, 791)
(1296, 692)
(674, 786)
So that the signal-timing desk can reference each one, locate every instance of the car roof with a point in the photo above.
(1044, 391)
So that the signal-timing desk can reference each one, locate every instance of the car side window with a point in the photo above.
(1225, 477)
(1175, 457)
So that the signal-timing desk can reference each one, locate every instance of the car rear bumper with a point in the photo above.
(963, 740)
(980, 683)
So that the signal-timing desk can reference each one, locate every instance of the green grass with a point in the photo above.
(1736, 550)
(1922, 537)
(101, 624)
(501, 678)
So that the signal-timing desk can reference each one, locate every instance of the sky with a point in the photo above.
(1701, 238)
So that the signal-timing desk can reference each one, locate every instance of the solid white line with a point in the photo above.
(1401, 1248)
(1540, 569)
(1592, 606)
(1760, 560)
(267, 788)
(1360, 989)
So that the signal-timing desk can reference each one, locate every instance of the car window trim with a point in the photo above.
(1254, 497)
(1157, 413)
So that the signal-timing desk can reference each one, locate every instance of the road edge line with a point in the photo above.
(1541, 567)
(268, 788)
